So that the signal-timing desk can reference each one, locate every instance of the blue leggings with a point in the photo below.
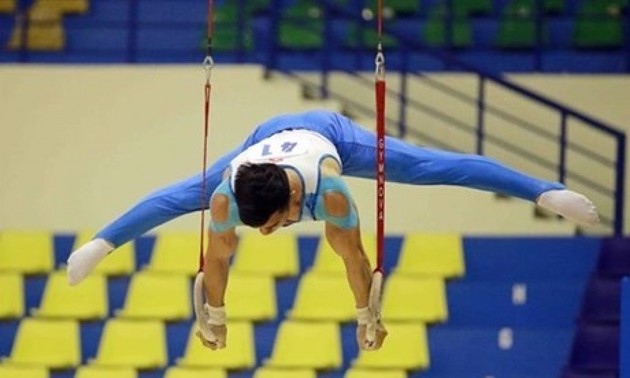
(405, 163)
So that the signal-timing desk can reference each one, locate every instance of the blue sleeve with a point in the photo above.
(233, 217)
(335, 184)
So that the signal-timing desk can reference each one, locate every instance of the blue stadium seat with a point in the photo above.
(177, 39)
(595, 347)
(515, 259)
(8, 330)
(602, 300)
(453, 354)
(563, 61)
(560, 30)
(112, 14)
(546, 304)
(117, 288)
(571, 373)
(94, 39)
(484, 31)
(614, 257)
(6, 26)
(169, 11)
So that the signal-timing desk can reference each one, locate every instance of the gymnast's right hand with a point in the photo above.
(82, 261)
(212, 329)
(369, 322)
(215, 339)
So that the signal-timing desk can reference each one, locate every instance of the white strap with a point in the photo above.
(363, 315)
(216, 315)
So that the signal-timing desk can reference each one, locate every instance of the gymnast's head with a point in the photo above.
(262, 195)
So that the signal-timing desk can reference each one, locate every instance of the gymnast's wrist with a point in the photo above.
(363, 315)
(216, 315)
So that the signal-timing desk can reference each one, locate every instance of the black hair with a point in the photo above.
(260, 190)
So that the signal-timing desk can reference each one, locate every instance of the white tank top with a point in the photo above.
(297, 149)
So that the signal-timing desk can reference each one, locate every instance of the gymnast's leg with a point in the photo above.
(409, 164)
(159, 207)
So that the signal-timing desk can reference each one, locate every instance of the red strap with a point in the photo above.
(380, 141)
(204, 203)
(208, 63)
(380, 173)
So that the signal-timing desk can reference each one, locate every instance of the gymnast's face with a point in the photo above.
(276, 220)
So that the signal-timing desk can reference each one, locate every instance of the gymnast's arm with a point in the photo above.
(347, 244)
(221, 246)
(334, 205)
(222, 243)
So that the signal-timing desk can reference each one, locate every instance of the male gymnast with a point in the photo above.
(288, 170)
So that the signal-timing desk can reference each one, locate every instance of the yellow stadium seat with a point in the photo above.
(323, 297)
(8, 6)
(406, 348)
(65, 6)
(105, 372)
(132, 343)
(45, 31)
(26, 252)
(85, 301)
(121, 261)
(179, 372)
(327, 260)
(375, 373)
(14, 371)
(239, 352)
(267, 372)
(158, 296)
(275, 254)
(175, 252)
(312, 345)
(50, 343)
(409, 298)
(432, 254)
(251, 297)
(11, 295)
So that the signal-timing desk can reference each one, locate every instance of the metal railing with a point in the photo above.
(135, 22)
(560, 165)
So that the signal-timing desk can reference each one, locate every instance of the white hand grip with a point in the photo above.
(199, 302)
(374, 305)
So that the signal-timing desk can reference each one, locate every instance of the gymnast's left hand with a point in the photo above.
(365, 343)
